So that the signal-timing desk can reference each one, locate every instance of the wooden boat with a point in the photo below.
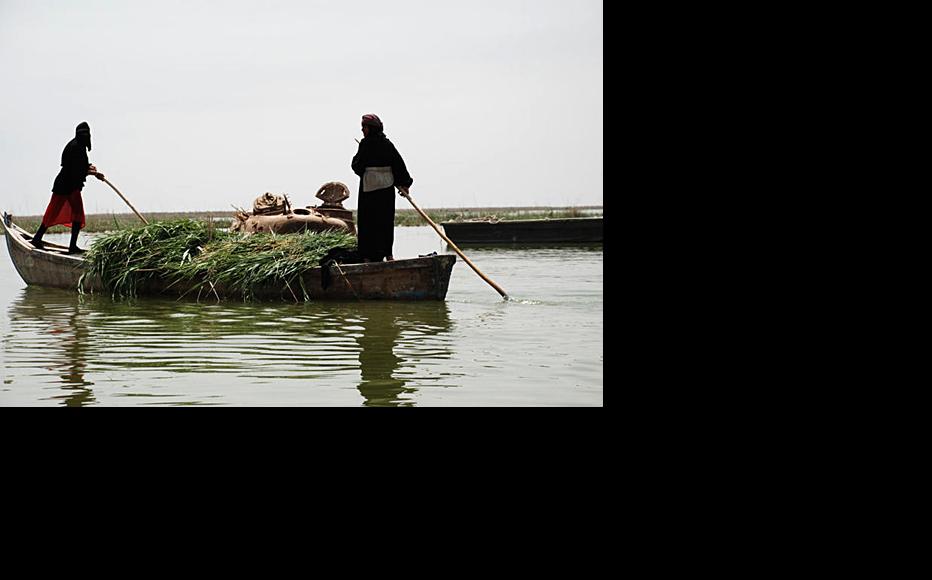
(566, 230)
(423, 278)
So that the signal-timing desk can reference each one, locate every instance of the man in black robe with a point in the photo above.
(381, 169)
(66, 206)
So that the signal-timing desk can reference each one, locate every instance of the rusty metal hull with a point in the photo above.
(293, 223)
(425, 278)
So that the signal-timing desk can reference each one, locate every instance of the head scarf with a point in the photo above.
(372, 121)
(83, 133)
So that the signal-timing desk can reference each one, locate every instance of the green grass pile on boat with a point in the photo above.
(204, 259)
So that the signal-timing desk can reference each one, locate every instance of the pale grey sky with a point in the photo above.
(197, 105)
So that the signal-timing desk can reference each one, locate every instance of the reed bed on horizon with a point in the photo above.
(204, 259)
(404, 217)
(409, 217)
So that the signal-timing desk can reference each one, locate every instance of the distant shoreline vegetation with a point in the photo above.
(110, 222)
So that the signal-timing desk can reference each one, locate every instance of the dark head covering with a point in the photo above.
(83, 134)
(372, 121)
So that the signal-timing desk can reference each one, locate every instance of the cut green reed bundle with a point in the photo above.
(128, 260)
(202, 259)
(245, 264)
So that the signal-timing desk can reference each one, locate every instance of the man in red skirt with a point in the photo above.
(66, 206)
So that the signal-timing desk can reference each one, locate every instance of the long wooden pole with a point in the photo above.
(452, 245)
(126, 200)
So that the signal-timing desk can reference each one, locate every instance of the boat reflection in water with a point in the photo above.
(393, 334)
(167, 352)
(54, 331)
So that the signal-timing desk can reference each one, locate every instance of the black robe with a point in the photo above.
(74, 166)
(375, 216)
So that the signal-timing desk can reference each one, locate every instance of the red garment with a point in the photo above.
(64, 210)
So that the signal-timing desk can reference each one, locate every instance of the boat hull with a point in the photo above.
(423, 278)
(52, 268)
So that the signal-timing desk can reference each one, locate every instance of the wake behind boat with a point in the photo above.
(422, 278)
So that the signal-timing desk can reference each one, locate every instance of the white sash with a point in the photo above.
(377, 178)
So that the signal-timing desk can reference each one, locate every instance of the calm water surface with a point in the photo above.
(543, 348)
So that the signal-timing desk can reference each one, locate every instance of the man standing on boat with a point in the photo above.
(66, 206)
(381, 169)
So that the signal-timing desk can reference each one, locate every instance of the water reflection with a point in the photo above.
(392, 335)
(74, 342)
(183, 352)
(65, 338)
(49, 337)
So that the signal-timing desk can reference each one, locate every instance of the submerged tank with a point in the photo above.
(273, 213)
